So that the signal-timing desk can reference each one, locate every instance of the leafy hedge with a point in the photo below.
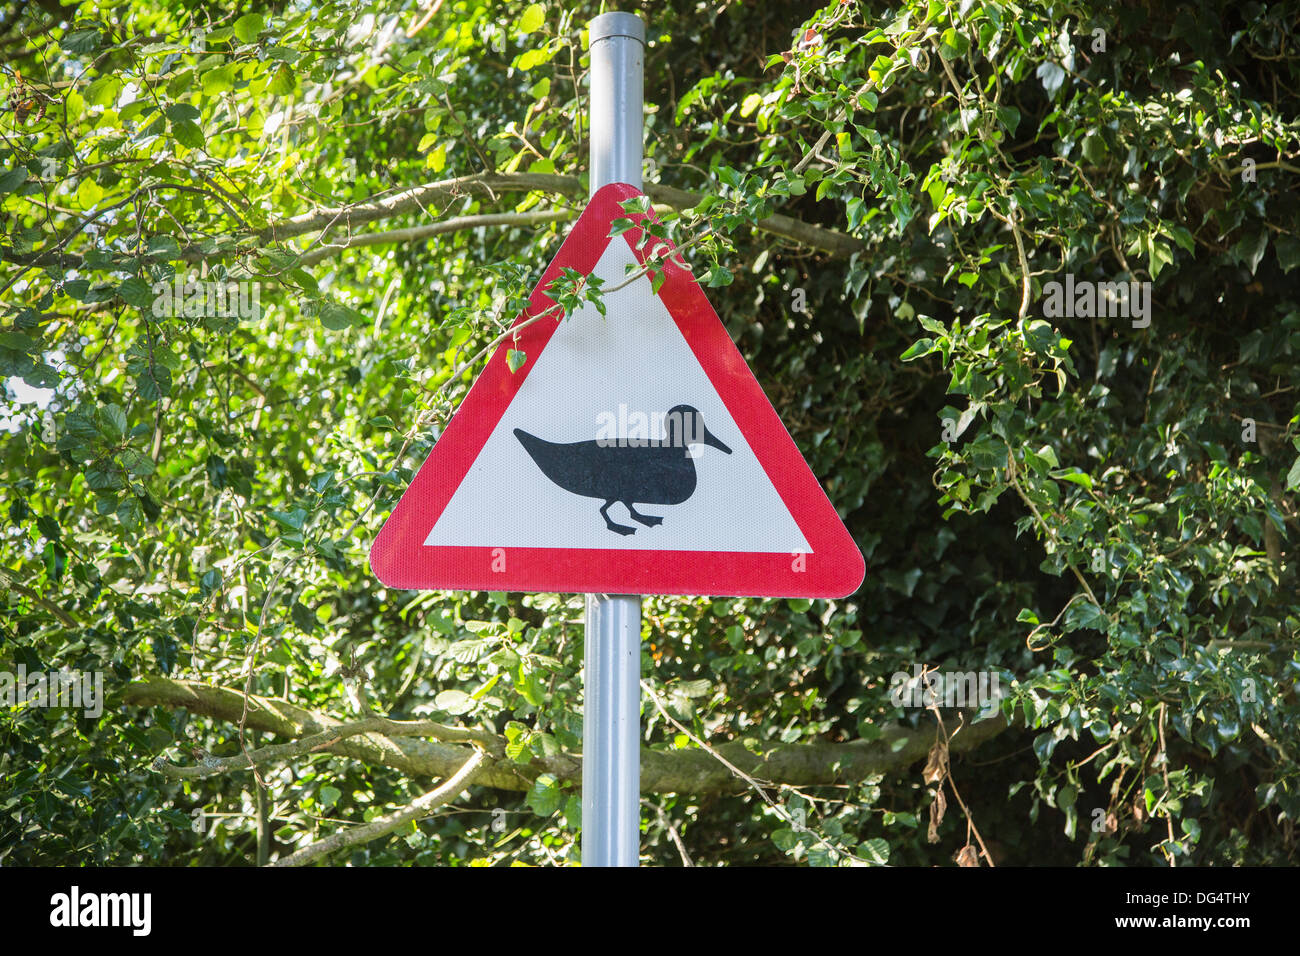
(1098, 508)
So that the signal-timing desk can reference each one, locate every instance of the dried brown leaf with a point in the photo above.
(938, 807)
(936, 765)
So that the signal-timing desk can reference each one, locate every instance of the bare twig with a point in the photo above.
(776, 808)
(419, 808)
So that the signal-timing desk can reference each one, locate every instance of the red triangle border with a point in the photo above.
(400, 559)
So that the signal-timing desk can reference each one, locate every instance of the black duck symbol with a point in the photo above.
(659, 472)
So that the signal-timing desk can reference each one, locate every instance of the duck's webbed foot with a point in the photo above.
(611, 525)
(648, 520)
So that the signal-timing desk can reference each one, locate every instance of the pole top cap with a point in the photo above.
(616, 25)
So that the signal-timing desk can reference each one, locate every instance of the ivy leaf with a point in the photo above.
(11, 179)
(248, 27)
(283, 80)
(164, 649)
(293, 520)
(988, 453)
(718, 276)
(83, 39)
(917, 349)
(112, 422)
(621, 225)
(874, 850)
(532, 18)
(1288, 252)
(304, 617)
(534, 57)
(1162, 255)
(131, 514)
(135, 291)
(180, 112)
(544, 795)
(216, 80)
(1249, 251)
(1052, 77)
(952, 44)
(336, 317)
(17, 342)
(455, 702)
(136, 462)
(188, 134)
(164, 247)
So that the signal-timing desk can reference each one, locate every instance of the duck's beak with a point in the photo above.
(712, 439)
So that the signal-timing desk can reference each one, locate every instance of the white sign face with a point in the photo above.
(603, 385)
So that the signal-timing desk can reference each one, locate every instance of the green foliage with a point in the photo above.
(1101, 512)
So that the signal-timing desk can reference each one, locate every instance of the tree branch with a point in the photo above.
(417, 233)
(662, 771)
(417, 198)
(209, 766)
(15, 584)
(420, 807)
(786, 227)
(410, 200)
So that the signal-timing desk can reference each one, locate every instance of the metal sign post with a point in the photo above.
(611, 722)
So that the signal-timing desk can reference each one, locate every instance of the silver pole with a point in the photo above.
(617, 42)
(611, 720)
(611, 732)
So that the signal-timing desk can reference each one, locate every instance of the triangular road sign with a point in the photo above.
(632, 453)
